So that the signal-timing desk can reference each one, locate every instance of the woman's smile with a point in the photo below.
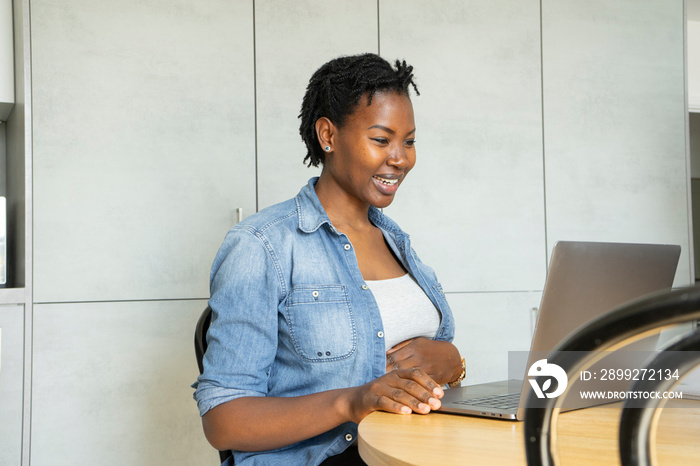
(387, 184)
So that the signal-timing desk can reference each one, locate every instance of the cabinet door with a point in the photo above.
(292, 40)
(614, 122)
(474, 203)
(111, 385)
(143, 144)
(11, 383)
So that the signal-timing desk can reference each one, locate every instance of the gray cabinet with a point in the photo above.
(143, 144)
(111, 385)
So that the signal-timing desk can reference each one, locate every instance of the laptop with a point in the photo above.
(585, 280)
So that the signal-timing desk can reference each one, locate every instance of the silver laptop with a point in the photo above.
(585, 280)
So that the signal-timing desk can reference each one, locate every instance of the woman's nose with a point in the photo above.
(398, 157)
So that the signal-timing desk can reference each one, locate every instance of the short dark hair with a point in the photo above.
(336, 88)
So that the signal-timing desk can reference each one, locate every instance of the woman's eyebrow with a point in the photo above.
(382, 127)
(389, 130)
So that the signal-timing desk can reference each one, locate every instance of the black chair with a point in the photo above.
(200, 347)
(200, 337)
(626, 324)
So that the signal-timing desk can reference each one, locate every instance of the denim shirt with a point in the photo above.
(291, 316)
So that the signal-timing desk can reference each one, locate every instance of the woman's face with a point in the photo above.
(374, 149)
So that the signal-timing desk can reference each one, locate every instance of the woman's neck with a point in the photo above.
(342, 209)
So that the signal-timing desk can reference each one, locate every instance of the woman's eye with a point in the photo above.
(381, 140)
(410, 142)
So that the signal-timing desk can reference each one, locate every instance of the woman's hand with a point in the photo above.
(400, 391)
(440, 360)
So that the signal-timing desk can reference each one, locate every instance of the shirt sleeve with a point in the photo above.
(242, 337)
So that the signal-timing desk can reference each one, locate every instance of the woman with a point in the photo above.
(322, 312)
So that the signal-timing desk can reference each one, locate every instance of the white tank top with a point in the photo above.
(406, 310)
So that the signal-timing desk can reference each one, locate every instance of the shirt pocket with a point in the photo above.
(321, 322)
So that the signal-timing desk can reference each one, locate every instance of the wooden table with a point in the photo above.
(583, 436)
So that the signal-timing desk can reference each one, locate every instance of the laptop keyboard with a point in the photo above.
(507, 401)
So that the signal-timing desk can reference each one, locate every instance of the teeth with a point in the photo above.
(386, 182)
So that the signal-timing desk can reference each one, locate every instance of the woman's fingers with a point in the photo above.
(400, 391)
(391, 364)
(408, 390)
(416, 377)
(399, 404)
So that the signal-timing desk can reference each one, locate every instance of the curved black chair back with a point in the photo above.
(200, 337)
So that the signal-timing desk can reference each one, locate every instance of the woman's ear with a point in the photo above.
(325, 132)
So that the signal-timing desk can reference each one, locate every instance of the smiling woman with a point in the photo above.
(321, 311)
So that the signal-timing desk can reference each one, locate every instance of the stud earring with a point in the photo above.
(328, 148)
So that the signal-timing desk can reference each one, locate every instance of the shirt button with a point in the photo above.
(314, 294)
(380, 334)
(347, 247)
(365, 287)
(348, 437)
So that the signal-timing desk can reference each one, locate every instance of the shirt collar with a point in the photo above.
(309, 208)
(312, 215)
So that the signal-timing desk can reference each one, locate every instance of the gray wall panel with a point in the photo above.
(143, 144)
(615, 123)
(112, 385)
